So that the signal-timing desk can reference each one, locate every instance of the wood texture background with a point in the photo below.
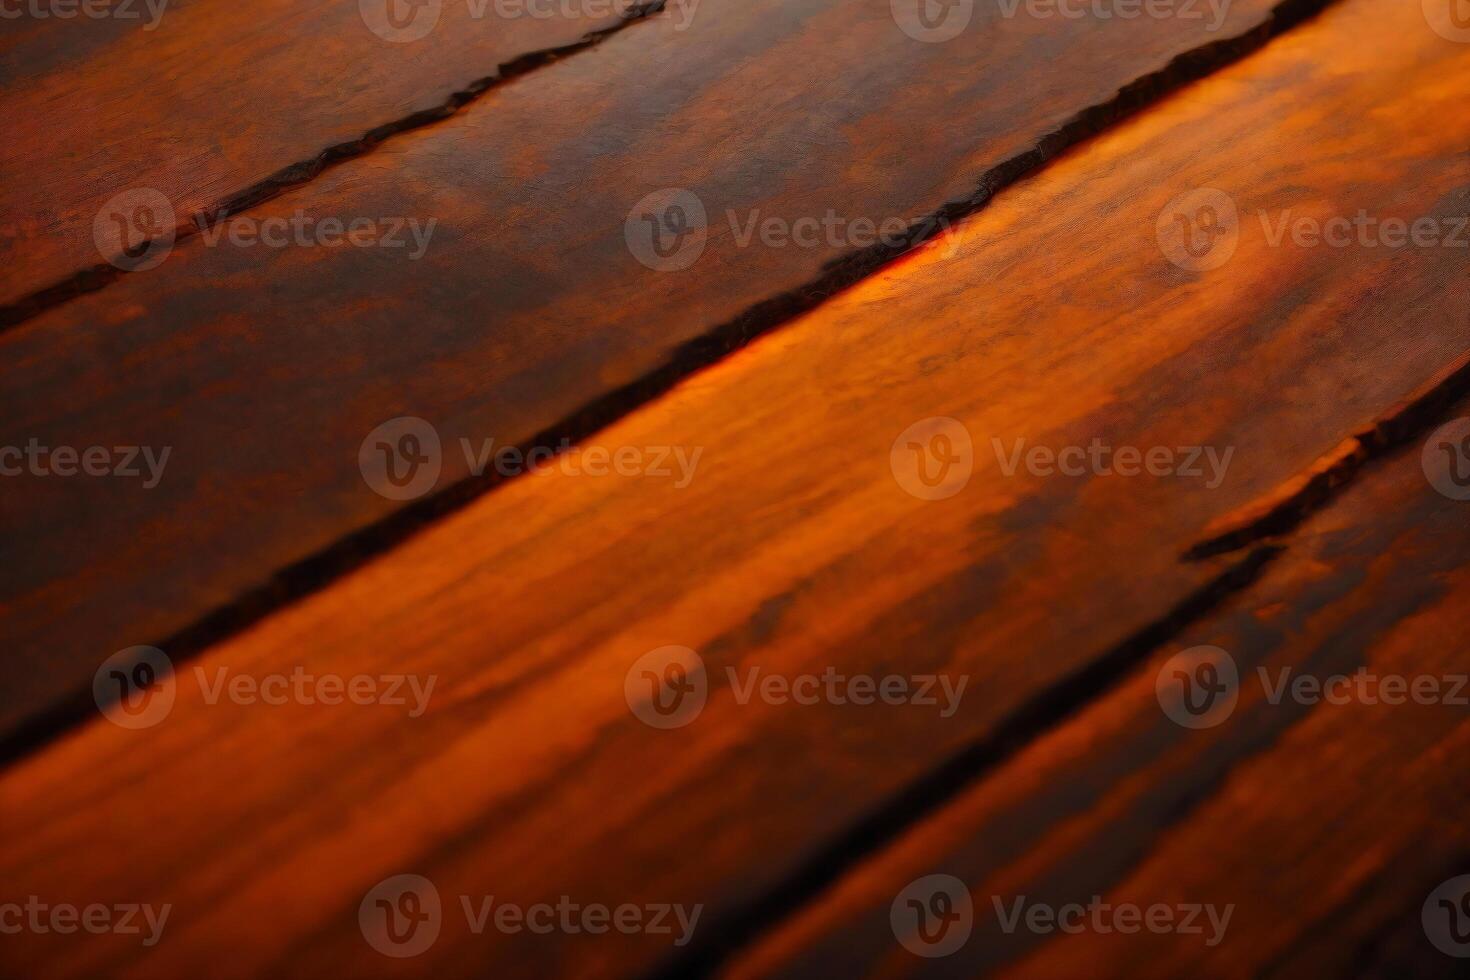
(265, 369)
(1058, 320)
(1053, 315)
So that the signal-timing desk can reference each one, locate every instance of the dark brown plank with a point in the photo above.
(1325, 823)
(794, 549)
(265, 370)
(201, 100)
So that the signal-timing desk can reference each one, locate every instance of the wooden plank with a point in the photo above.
(201, 101)
(793, 549)
(528, 319)
(1326, 824)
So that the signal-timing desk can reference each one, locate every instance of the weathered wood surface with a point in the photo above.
(201, 100)
(794, 548)
(1325, 823)
(265, 369)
